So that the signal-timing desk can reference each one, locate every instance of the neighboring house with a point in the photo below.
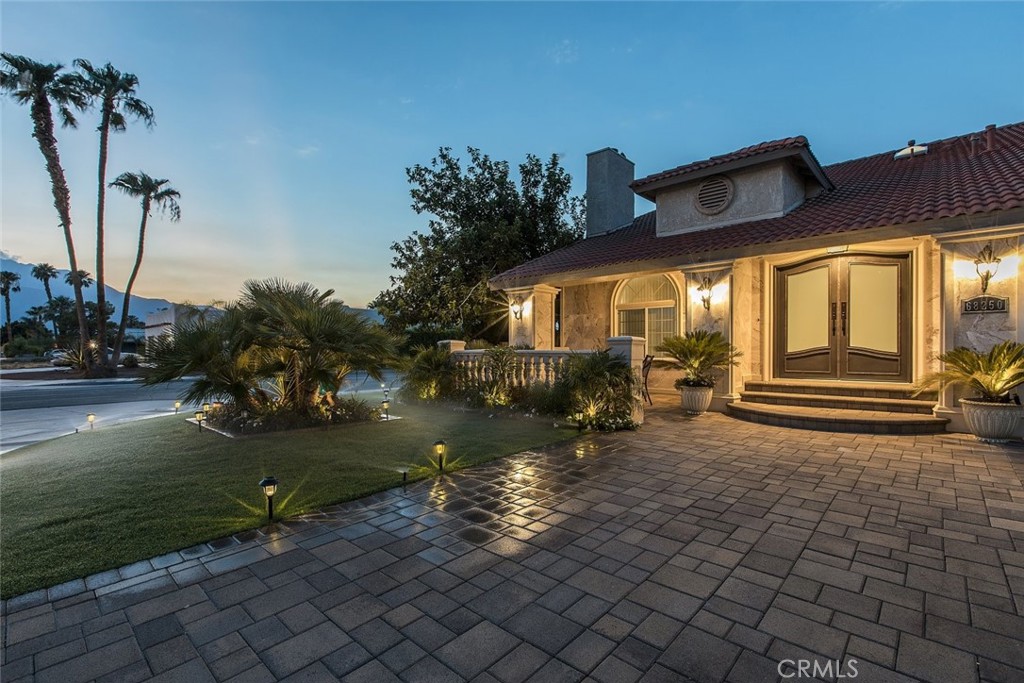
(162, 321)
(838, 283)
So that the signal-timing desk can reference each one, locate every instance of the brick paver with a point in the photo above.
(699, 549)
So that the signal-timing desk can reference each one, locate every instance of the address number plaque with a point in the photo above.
(986, 304)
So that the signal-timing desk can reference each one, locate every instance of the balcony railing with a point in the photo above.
(531, 367)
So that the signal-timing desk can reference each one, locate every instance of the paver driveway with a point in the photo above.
(706, 548)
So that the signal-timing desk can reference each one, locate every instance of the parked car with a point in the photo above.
(53, 353)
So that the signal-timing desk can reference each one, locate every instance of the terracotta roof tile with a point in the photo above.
(871, 192)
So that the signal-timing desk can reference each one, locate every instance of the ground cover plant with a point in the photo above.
(95, 500)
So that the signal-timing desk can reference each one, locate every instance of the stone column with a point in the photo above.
(535, 327)
(631, 349)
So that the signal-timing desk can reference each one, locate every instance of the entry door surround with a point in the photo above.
(845, 317)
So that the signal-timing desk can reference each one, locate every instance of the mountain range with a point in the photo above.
(33, 294)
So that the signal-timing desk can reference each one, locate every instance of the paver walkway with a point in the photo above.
(706, 549)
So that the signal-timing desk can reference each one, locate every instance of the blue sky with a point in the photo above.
(287, 126)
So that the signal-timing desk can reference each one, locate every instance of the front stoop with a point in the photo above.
(858, 408)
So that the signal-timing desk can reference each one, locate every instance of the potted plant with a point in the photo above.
(993, 412)
(702, 355)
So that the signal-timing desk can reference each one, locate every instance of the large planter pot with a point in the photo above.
(991, 422)
(696, 400)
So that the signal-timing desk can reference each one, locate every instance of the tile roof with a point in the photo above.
(872, 192)
(793, 143)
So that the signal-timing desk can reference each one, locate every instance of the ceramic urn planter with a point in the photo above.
(696, 400)
(991, 422)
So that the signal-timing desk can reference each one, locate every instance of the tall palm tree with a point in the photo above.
(84, 277)
(150, 192)
(41, 86)
(58, 310)
(8, 283)
(44, 272)
(115, 92)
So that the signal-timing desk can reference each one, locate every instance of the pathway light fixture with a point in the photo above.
(269, 486)
(177, 404)
(200, 416)
(91, 418)
(440, 447)
(386, 406)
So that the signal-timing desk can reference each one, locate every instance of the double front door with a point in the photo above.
(845, 317)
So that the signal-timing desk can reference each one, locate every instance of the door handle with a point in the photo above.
(844, 317)
(833, 319)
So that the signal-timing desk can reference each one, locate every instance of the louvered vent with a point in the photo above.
(714, 195)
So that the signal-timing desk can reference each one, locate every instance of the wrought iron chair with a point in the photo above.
(645, 370)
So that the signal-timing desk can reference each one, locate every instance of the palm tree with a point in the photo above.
(115, 91)
(58, 310)
(41, 86)
(44, 272)
(150, 192)
(84, 277)
(8, 283)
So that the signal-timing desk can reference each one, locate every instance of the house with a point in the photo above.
(162, 320)
(839, 284)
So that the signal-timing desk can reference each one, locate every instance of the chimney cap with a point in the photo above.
(608, 149)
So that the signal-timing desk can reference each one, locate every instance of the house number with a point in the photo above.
(986, 304)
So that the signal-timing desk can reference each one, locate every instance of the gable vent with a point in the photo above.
(714, 195)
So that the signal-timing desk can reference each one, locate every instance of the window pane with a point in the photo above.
(650, 288)
(661, 324)
(631, 323)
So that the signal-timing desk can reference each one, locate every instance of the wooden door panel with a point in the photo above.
(804, 302)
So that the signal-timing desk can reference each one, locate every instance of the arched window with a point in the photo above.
(648, 307)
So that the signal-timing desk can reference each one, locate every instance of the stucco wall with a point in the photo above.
(586, 311)
(762, 192)
(981, 331)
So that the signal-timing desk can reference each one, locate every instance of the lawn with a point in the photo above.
(105, 498)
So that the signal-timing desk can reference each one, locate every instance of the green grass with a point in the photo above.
(105, 498)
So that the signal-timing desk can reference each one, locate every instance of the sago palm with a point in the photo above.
(41, 86)
(150, 192)
(990, 376)
(115, 92)
(701, 354)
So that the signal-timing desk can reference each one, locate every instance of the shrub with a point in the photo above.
(478, 344)
(276, 417)
(989, 376)
(19, 346)
(430, 374)
(601, 391)
(130, 360)
(702, 354)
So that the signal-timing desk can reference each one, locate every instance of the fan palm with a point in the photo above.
(44, 272)
(115, 92)
(150, 192)
(601, 388)
(41, 86)
(991, 376)
(8, 283)
(701, 354)
(84, 277)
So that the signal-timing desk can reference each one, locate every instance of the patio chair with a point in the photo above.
(645, 370)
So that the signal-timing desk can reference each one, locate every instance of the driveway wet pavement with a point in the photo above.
(699, 549)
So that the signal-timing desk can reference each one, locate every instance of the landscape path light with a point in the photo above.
(386, 405)
(200, 416)
(91, 418)
(269, 486)
(206, 407)
(440, 447)
(177, 404)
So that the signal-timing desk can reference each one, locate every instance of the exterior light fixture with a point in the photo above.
(440, 447)
(385, 405)
(405, 475)
(217, 405)
(91, 417)
(269, 486)
(92, 345)
(516, 306)
(206, 407)
(705, 292)
(177, 404)
(986, 265)
(200, 416)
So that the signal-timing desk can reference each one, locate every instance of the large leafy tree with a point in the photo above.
(482, 222)
(115, 93)
(44, 272)
(8, 283)
(150, 192)
(41, 86)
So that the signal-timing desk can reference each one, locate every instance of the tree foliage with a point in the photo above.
(483, 221)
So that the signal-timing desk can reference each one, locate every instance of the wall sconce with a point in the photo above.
(986, 265)
(269, 486)
(705, 292)
(517, 308)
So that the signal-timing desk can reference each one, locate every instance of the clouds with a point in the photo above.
(565, 52)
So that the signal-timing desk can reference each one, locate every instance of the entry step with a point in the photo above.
(838, 419)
